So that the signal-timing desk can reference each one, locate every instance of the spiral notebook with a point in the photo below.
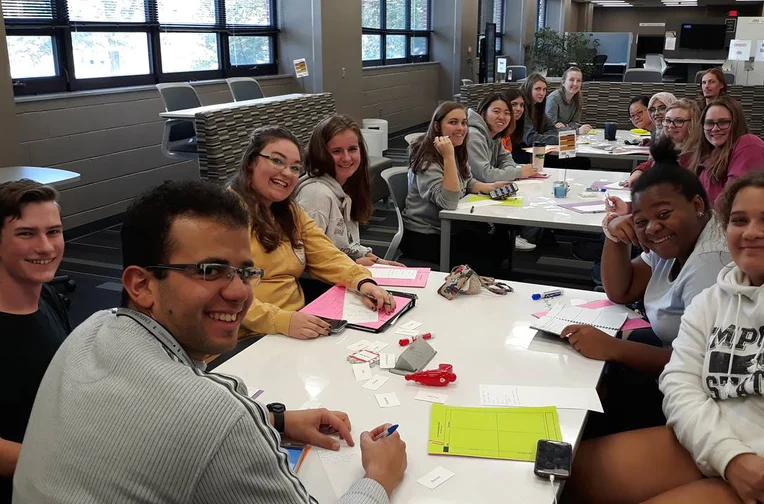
(562, 316)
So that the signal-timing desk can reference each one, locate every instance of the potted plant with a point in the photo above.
(552, 53)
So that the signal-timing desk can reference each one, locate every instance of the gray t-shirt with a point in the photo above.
(666, 298)
(426, 198)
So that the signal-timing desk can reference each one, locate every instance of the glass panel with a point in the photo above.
(419, 46)
(120, 11)
(27, 9)
(189, 52)
(396, 15)
(498, 6)
(371, 47)
(250, 50)
(419, 15)
(248, 12)
(396, 46)
(370, 13)
(193, 12)
(31, 56)
(109, 54)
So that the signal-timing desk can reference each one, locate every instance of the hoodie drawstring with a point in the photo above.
(727, 389)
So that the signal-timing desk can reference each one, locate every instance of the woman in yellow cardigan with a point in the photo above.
(286, 242)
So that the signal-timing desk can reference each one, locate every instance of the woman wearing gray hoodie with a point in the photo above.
(712, 450)
(335, 191)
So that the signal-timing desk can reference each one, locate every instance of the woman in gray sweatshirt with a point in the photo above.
(335, 191)
(438, 177)
(564, 106)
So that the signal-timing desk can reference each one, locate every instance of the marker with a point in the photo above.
(548, 294)
(406, 341)
(472, 210)
(387, 432)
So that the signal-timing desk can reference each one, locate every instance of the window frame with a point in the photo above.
(410, 34)
(60, 28)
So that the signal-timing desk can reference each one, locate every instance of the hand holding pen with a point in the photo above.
(375, 297)
(383, 456)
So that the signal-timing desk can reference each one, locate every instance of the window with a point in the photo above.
(492, 11)
(541, 19)
(68, 45)
(395, 31)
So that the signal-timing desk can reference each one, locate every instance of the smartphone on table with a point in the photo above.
(553, 458)
(335, 325)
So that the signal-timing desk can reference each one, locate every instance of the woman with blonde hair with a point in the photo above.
(565, 106)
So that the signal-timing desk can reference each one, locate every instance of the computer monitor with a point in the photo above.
(649, 44)
(703, 36)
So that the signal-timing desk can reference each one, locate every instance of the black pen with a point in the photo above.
(472, 210)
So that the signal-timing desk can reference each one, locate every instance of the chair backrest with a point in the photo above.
(600, 60)
(642, 75)
(728, 76)
(467, 82)
(655, 62)
(178, 96)
(518, 72)
(244, 88)
(397, 180)
(412, 136)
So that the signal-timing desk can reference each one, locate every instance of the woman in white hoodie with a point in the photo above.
(712, 450)
(335, 191)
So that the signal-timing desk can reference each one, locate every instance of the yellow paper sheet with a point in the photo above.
(499, 433)
(516, 201)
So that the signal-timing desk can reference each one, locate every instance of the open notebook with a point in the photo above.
(562, 316)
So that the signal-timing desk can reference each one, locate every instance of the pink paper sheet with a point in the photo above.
(630, 324)
(331, 303)
(422, 275)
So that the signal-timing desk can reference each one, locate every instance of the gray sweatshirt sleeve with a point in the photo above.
(530, 135)
(479, 154)
(559, 111)
(553, 108)
(240, 473)
(430, 186)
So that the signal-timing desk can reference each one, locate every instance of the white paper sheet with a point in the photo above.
(387, 361)
(362, 372)
(562, 397)
(343, 467)
(435, 478)
(387, 400)
(376, 382)
(559, 317)
(355, 312)
(433, 397)
(397, 273)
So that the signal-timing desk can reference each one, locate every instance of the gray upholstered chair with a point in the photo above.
(244, 88)
(655, 62)
(518, 72)
(179, 137)
(642, 75)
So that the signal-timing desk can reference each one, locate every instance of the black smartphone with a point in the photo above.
(553, 458)
(335, 325)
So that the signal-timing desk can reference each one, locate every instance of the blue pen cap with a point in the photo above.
(535, 297)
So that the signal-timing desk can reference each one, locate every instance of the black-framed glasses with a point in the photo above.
(722, 124)
(281, 163)
(653, 110)
(675, 122)
(636, 115)
(210, 272)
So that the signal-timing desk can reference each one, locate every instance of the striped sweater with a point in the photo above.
(119, 418)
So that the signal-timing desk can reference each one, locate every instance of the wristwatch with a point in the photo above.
(278, 411)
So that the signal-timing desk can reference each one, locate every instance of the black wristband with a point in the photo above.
(365, 280)
(278, 411)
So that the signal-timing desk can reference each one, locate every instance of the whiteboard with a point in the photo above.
(617, 46)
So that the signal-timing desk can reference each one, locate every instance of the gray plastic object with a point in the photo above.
(415, 358)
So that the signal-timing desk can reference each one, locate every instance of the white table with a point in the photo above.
(539, 207)
(49, 176)
(481, 336)
(189, 114)
(586, 146)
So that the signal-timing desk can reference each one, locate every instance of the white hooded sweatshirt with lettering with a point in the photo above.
(714, 382)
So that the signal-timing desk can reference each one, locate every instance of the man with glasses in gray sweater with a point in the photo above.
(127, 412)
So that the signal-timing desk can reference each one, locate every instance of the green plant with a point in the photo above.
(554, 53)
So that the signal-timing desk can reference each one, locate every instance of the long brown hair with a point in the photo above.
(486, 102)
(712, 159)
(725, 201)
(422, 151)
(319, 161)
(270, 224)
(536, 112)
(719, 74)
(518, 125)
(578, 98)
(692, 130)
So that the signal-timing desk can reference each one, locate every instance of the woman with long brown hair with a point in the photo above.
(286, 242)
(335, 191)
(537, 127)
(723, 150)
(713, 85)
(439, 176)
(565, 106)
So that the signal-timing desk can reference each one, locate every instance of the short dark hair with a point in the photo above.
(146, 228)
(724, 204)
(666, 170)
(644, 100)
(486, 102)
(14, 195)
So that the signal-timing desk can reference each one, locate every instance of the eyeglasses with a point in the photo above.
(653, 110)
(210, 272)
(636, 115)
(281, 164)
(722, 124)
(678, 123)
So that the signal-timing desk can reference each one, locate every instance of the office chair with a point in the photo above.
(179, 136)
(642, 75)
(598, 68)
(728, 76)
(467, 82)
(244, 88)
(655, 62)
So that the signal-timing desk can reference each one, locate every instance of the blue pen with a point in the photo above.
(547, 294)
(386, 432)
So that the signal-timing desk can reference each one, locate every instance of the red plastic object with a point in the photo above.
(435, 377)
(406, 341)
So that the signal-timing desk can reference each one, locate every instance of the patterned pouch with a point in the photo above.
(464, 279)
